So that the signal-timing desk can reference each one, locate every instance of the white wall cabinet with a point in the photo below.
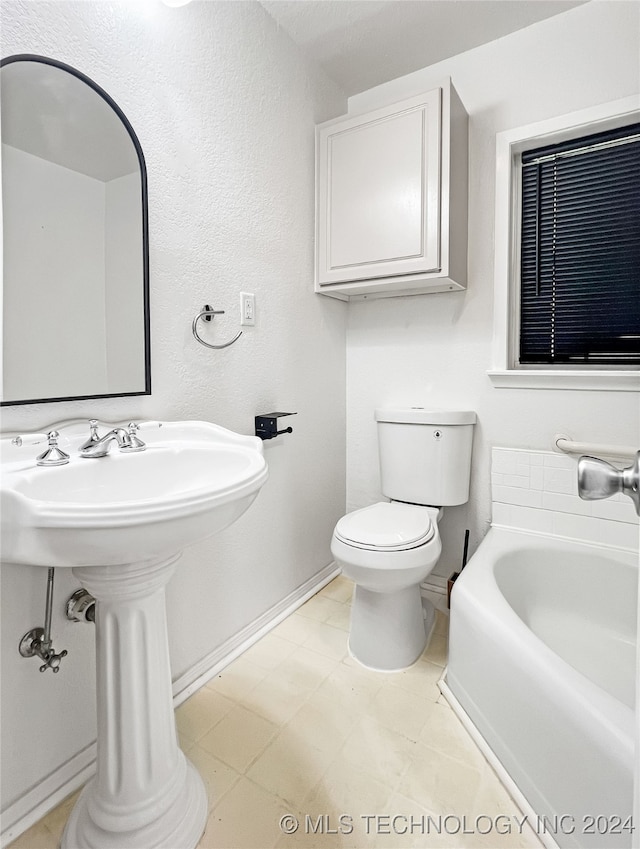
(391, 199)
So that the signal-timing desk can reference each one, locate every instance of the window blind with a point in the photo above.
(580, 251)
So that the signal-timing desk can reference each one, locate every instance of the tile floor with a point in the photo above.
(296, 732)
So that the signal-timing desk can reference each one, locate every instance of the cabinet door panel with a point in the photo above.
(376, 192)
(379, 193)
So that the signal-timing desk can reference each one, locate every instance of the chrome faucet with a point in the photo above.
(99, 446)
(598, 479)
(53, 456)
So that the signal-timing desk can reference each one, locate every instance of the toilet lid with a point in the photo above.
(386, 526)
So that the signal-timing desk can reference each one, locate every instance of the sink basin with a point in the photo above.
(121, 522)
(193, 480)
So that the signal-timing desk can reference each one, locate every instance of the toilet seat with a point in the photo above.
(387, 526)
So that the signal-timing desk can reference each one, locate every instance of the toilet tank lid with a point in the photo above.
(425, 415)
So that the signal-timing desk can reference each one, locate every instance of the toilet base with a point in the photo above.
(389, 631)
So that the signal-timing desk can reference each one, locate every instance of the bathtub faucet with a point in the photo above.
(598, 479)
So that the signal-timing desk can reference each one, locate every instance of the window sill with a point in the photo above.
(599, 381)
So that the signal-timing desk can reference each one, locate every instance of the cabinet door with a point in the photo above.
(379, 192)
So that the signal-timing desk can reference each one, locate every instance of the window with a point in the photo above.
(567, 252)
(580, 251)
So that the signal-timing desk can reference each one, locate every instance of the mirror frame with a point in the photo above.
(29, 57)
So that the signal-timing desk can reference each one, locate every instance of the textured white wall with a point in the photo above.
(436, 349)
(224, 106)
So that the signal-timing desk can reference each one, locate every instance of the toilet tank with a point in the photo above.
(425, 455)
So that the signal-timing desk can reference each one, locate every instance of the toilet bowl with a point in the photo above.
(389, 548)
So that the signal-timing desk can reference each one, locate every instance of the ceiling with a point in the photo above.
(363, 43)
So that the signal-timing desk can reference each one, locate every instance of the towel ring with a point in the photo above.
(208, 313)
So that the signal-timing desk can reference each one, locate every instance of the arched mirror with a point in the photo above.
(75, 238)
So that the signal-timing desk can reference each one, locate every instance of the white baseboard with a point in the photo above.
(213, 663)
(48, 793)
(70, 776)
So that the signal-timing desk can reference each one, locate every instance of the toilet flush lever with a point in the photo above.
(598, 479)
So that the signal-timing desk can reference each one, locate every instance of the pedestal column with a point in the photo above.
(145, 794)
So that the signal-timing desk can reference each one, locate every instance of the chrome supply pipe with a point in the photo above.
(37, 641)
(48, 606)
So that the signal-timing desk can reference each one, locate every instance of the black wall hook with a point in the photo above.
(267, 425)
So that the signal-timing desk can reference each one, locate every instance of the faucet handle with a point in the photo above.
(29, 439)
(136, 444)
(53, 456)
(34, 643)
(52, 661)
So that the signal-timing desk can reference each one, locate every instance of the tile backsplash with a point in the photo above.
(538, 491)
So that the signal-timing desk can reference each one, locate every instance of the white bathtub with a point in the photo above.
(542, 660)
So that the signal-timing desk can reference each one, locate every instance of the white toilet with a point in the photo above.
(388, 549)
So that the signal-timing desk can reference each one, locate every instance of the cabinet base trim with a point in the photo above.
(389, 287)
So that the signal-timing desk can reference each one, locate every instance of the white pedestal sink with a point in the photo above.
(121, 522)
